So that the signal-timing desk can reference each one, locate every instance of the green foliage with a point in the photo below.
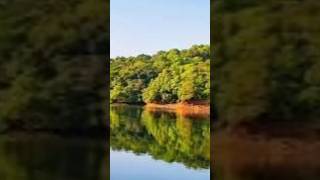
(129, 76)
(166, 77)
(195, 83)
(266, 60)
(52, 69)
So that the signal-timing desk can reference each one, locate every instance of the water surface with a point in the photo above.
(41, 157)
(257, 158)
(158, 145)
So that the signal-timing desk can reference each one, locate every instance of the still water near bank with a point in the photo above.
(261, 158)
(39, 157)
(158, 145)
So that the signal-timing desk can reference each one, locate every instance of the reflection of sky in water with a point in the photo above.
(128, 166)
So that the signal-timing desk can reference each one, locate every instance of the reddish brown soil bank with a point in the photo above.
(186, 108)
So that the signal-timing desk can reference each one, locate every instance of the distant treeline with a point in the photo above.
(166, 77)
(52, 64)
(266, 60)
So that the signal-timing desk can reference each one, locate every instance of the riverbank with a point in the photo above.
(194, 108)
(39, 136)
(186, 109)
(273, 129)
(266, 140)
(95, 132)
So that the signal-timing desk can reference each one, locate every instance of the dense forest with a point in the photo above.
(167, 77)
(266, 60)
(52, 64)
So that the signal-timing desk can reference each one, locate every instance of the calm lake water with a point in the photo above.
(158, 145)
(52, 158)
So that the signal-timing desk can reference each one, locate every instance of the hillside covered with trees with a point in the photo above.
(52, 64)
(266, 60)
(166, 77)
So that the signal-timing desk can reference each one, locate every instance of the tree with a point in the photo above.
(166, 77)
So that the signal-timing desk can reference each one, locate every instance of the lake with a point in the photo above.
(158, 145)
(48, 157)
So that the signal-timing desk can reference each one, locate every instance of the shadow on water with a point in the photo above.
(38, 158)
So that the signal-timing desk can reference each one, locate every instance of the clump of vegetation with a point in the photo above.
(166, 77)
(52, 63)
(266, 60)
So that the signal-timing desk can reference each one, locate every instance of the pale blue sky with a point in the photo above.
(147, 26)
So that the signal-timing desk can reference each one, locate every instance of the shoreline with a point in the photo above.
(181, 108)
(272, 130)
(90, 133)
(191, 108)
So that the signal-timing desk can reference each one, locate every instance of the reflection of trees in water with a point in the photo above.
(236, 169)
(258, 159)
(52, 159)
(163, 135)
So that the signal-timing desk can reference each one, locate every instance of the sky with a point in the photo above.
(148, 26)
